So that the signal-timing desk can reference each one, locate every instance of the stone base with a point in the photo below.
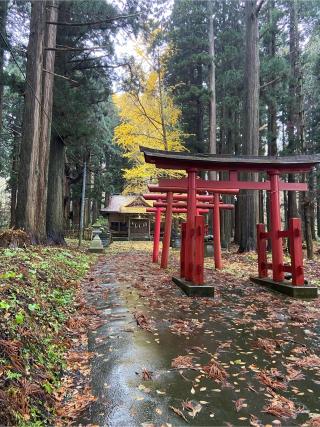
(287, 288)
(194, 290)
(96, 250)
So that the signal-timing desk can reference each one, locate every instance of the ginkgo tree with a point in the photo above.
(149, 118)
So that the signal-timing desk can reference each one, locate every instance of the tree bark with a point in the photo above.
(14, 178)
(292, 107)
(46, 117)
(55, 199)
(3, 21)
(272, 107)
(27, 204)
(212, 89)
(307, 216)
(249, 199)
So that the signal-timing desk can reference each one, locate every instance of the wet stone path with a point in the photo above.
(246, 357)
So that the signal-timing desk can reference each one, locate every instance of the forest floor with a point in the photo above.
(247, 357)
(110, 340)
(43, 329)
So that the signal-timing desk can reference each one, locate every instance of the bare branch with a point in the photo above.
(59, 75)
(270, 83)
(100, 66)
(259, 6)
(82, 24)
(75, 49)
(263, 127)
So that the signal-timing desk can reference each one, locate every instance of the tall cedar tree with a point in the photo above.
(248, 214)
(32, 178)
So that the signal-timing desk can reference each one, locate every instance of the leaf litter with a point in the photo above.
(258, 313)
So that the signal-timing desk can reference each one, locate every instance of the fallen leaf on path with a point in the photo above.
(178, 412)
(281, 407)
(192, 409)
(215, 371)
(142, 321)
(240, 403)
(267, 380)
(146, 375)
(182, 362)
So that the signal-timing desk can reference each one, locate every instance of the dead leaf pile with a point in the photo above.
(142, 321)
(281, 407)
(266, 344)
(182, 362)
(272, 379)
(215, 371)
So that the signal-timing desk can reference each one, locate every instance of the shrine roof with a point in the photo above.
(184, 160)
(126, 204)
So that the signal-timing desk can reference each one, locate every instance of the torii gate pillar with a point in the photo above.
(190, 228)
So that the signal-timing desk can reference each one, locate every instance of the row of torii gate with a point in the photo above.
(195, 197)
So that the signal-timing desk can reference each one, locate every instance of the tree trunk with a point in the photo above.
(14, 178)
(27, 214)
(307, 214)
(199, 124)
(3, 21)
(161, 99)
(212, 89)
(76, 213)
(293, 107)
(46, 116)
(249, 199)
(55, 199)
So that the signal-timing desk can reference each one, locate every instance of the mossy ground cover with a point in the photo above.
(39, 289)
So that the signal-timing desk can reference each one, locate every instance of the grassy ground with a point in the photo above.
(38, 297)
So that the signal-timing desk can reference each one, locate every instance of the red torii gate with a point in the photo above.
(172, 201)
(273, 166)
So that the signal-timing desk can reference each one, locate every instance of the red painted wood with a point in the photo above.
(199, 205)
(216, 233)
(177, 197)
(182, 249)
(275, 219)
(203, 185)
(182, 188)
(156, 236)
(296, 251)
(167, 232)
(190, 232)
(198, 272)
(262, 251)
(175, 210)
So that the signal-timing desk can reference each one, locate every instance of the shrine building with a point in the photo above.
(128, 218)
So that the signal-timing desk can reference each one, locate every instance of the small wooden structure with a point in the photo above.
(128, 218)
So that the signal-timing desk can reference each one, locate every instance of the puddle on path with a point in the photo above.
(227, 326)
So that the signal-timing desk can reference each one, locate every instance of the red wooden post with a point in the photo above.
(276, 240)
(190, 231)
(262, 252)
(182, 249)
(199, 255)
(167, 232)
(216, 232)
(295, 237)
(156, 236)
